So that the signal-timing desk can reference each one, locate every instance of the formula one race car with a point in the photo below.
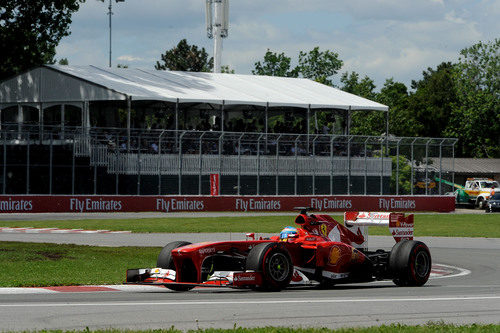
(321, 251)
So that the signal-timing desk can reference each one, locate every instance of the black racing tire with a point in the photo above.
(165, 261)
(410, 263)
(275, 264)
(165, 257)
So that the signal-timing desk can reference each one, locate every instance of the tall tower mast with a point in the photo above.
(217, 17)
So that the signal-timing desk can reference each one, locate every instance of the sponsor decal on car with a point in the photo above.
(334, 256)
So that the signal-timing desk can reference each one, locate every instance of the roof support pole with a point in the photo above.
(267, 125)
(129, 110)
(387, 123)
(177, 115)
(266, 118)
(62, 120)
(20, 118)
(348, 131)
(40, 121)
(222, 117)
(308, 125)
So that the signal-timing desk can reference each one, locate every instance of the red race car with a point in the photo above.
(319, 251)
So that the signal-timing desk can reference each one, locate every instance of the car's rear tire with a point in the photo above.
(275, 264)
(166, 261)
(410, 263)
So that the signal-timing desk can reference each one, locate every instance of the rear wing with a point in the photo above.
(400, 226)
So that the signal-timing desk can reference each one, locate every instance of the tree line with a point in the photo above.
(460, 100)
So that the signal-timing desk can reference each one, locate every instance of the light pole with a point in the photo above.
(217, 19)
(110, 13)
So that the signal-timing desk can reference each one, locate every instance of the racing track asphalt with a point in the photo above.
(472, 298)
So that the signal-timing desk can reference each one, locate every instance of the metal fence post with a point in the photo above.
(427, 165)
(411, 166)
(51, 156)
(117, 156)
(73, 167)
(200, 163)
(381, 167)
(397, 167)
(314, 164)
(159, 161)
(277, 163)
(4, 185)
(349, 138)
(296, 167)
(139, 166)
(239, 164)
(258, 163)
(440, 163)
(366, 168)
(331, 162)
(221, 138)
(28, 164)
(180, 163)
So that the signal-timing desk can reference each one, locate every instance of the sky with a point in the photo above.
(378, 38)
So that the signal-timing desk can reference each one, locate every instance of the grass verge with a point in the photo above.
(447, 225)
(38, 265)
(375, 329)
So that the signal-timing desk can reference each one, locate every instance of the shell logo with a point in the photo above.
(323, 229)
(334, 255)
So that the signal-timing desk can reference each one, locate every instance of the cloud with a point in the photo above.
(378, 38)
(129, 58)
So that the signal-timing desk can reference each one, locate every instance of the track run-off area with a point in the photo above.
(464, 288)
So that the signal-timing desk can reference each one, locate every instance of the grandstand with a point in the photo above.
(89, 130)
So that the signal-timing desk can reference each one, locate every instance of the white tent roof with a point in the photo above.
(95, 83)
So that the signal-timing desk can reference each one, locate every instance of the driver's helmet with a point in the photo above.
(287, 232)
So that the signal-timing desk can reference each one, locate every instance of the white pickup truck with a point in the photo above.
(479, 190)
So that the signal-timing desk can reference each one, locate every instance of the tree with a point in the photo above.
(319, 66)
(275, 64)
(432, 101)
(185, 57)
(30, 30)
(475, 118)
(402, 121)
(362, 122)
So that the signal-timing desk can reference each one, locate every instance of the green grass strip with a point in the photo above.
(39, 264)
(447, 225)
(428, 328)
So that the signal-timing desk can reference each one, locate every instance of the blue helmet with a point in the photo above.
(287, 232)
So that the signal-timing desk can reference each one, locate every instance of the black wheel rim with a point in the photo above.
(422, 264)
(278, 267)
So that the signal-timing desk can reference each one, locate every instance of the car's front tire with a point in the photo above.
(275, 264)
(166, 261)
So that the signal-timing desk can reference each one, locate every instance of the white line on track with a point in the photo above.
(260, 301)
